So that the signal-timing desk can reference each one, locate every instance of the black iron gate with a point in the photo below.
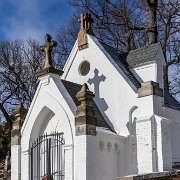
(47, 157)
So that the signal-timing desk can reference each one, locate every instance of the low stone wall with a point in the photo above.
(169, 175)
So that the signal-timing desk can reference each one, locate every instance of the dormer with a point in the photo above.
(147, 64)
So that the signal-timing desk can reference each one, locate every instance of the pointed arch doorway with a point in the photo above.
(47, 157)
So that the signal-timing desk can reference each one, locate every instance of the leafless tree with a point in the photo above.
(66, 37)
(18, 63)
(127, 25)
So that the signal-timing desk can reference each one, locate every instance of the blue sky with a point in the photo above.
(21, 19)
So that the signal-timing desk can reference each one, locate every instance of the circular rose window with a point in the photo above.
(84, 68)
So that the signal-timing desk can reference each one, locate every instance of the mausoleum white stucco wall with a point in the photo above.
(121, 96)
(113, 91)
(151, 71)
(49, 104)
(104, 156)
(145, 138)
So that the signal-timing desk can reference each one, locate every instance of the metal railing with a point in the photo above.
(47, 157)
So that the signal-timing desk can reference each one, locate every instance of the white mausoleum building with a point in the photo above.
(104, 116)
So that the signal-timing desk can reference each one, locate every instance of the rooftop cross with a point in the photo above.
(47, 49)
(86, 21)
(85, 28)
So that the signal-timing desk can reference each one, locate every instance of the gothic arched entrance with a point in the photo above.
(47, 157)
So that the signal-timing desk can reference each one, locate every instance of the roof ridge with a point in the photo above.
(107, 45)
(170, 101)
(120, 61)
(143, 48)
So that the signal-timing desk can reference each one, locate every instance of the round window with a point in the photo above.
(84, 68)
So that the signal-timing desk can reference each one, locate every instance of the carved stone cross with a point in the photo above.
(86, 21)
(47, 49)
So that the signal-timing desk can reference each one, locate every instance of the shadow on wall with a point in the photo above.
(101, 103)
(132, 141)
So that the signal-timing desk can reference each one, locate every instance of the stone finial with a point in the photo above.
(47, 49)
(85, 28)
(19, 114)
(150, 88)
(20, 110)
(84, 94)
(85, 115)
(86, 22)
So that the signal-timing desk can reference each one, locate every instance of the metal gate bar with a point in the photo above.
(47, 157)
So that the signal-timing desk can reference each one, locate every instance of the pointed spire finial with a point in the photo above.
(84, 93)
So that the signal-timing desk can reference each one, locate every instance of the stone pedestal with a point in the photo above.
(85, 125)
(19, 115)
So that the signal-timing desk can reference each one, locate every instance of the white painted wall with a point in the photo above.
(49, 112)
(145, 73)
(174, 117)
(151, 71)
(119, 96)
(106, 155)
(113, 91)
(15, 162)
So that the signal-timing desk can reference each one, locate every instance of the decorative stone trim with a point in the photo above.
(86, 22)
(48, 70)
(150, 88)
(86, 120)
(82, 40)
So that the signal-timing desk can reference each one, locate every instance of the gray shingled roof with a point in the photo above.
(170, 102)
(142, 56)
(119, 59)
(139, 56)
(72, 89)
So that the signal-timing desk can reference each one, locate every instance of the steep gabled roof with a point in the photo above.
(138, 57)
(119, 59)
(143, 56)
(170, 101)
(72, 89)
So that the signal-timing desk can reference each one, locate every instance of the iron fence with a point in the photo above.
(47, 157)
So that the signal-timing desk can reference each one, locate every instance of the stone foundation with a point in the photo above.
(168, 175)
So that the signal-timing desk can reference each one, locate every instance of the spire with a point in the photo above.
(85, 28)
